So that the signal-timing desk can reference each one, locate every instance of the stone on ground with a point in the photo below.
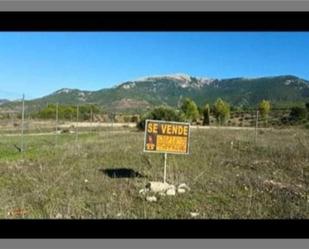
(157, 187)
(171, 192)
(151, 198)
(181, 190)
(183, 186)
(143, 191)
(194, 214)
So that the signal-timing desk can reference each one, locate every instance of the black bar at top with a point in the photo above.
(154, 21)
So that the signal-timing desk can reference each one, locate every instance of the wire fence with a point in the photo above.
(17, 125)
(19, 128)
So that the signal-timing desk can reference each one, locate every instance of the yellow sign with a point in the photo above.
(166, 137)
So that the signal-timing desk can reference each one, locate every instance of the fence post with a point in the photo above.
(91, 118)
(57, 123)
(76, 129)
(256, 125)
(164, 175)
(22, 124)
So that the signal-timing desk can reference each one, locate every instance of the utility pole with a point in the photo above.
(22, 124)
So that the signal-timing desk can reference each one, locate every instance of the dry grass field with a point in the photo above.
(230, 175)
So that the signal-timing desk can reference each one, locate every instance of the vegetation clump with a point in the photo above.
(190, 110)
(298, 113)
(206, 114)
(68, 112)
(161, 113)
(221, 111)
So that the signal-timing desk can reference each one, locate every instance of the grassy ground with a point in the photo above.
(266, 179)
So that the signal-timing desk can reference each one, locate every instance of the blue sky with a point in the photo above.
(39, 63)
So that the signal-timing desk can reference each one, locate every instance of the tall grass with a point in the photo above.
(243, 179)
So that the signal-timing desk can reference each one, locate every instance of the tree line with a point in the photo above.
(188, 111)
(68, 112)
(220, 110)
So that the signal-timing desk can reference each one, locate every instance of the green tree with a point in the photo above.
(297, 114)
(307, 106)
(221, 111)
(264, 109)
(68, 112)
(190, 110)
(161, 113)
(206, 114)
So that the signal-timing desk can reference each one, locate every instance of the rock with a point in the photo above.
(59, 216)
(171, 192)
(183, 186)
(157, 187)
(86, 180)
(194, 214)
(143, 191)
(151, 198)
(181, 190)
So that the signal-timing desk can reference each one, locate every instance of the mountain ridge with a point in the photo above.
(146, 92)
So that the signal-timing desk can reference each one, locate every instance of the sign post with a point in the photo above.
(166, 137)
(165, 159)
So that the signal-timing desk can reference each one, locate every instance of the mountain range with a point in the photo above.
(2, 101)
(140, 94)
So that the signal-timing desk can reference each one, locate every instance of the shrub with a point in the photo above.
(161, 113)
(206, 114)
(135, 119)
(264, 108)
(68, 112)
(297, 114)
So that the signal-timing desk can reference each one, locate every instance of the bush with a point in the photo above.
(264, 109)
(206, 114)
(135, 119)
(161, 113)
(297, 114)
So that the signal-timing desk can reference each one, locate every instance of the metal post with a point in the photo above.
(76, 130)
(57, 123)
(22, 124)
(165, 159)
(256, 124)
(91, 118)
